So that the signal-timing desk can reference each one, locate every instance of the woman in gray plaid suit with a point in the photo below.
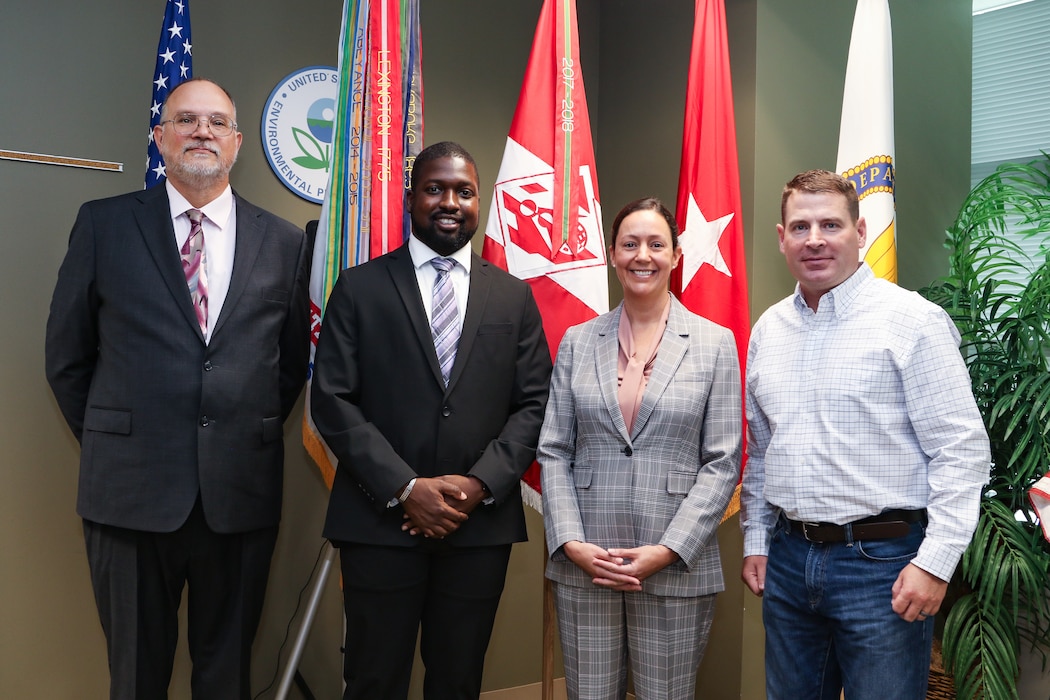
(640, 450)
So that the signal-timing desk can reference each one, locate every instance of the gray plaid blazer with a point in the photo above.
(669, 481)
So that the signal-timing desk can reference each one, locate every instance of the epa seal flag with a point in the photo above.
(712, 278)
(545, 221)
(865, 155)
(174, 64)
(375, 136)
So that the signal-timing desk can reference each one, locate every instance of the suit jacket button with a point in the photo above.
(205, 421)
(628, 451)
(207, 365)
(446, 411)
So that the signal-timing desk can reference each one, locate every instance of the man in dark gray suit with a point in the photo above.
(176, 347)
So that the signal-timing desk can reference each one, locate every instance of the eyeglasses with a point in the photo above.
(186, 124)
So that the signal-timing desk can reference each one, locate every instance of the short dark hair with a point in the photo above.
(821, 182)
(646, 204)
(442, 149)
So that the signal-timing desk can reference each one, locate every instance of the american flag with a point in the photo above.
(174, 64)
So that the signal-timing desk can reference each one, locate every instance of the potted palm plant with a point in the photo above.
(999, 297)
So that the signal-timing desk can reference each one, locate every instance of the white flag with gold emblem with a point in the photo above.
(866, 132)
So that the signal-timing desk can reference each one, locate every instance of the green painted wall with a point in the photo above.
(75, 79)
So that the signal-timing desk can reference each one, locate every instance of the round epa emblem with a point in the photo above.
(297, 124)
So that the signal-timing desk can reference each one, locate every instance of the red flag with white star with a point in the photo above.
(712, 278)
(545, 221)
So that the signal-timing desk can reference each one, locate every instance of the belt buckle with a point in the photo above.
(805, 531)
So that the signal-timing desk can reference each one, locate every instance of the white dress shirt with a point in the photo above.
(426, 275)
(220, 240)
(862, 406)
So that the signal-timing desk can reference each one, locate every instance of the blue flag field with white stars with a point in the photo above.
(174, 65)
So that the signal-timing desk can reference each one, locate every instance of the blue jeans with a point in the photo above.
(830, 625)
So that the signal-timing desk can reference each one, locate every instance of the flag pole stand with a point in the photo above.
(547, 655)
(306, 623)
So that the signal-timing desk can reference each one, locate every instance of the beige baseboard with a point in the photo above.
(533, 691)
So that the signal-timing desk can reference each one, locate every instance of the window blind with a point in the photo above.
(1011, 93)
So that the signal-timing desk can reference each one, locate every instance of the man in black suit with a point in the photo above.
(177, 345)
(426, 500)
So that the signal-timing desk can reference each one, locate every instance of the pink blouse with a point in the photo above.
(634, 365)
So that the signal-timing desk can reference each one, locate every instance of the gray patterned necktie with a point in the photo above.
(444, 317)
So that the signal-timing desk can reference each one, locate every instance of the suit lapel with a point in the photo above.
(672, 349)
(606, 355)
(403, 275)
(250, 234)
(154, 221)
(477, 299)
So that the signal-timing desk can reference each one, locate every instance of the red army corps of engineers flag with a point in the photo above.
(545, 221)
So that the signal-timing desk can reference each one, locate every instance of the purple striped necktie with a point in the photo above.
(193, 266)
(444, 323)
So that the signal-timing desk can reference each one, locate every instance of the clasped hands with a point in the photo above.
(437, 506)
(619, 569)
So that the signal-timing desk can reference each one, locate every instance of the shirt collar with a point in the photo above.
(839, 299)
(217, 210)
(422, 254)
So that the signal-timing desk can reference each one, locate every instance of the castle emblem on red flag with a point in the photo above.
(525, 213)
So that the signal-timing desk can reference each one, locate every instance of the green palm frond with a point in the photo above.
(1002, 566)
(980, 651)
(1005, 327)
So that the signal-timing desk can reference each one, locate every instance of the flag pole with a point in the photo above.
(306, 623)
(355, 221)
(547, 654)
(545, 223)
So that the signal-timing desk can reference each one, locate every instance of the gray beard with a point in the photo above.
(201, 174)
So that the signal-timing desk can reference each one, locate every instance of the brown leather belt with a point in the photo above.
(884, 526)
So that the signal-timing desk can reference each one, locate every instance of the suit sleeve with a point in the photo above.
(335, 398)
(506, 458)
(71, 344)
(295, 334)
(556, 453)
(721, 447)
